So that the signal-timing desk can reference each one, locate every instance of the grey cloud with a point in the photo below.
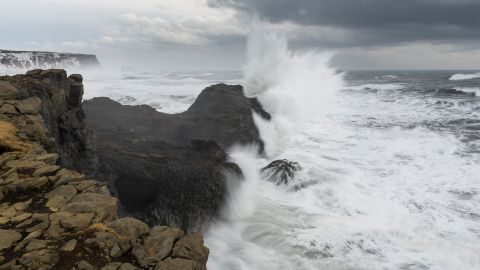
(374, 22)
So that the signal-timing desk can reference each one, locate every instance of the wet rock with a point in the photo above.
(144, 153)
(281, 171)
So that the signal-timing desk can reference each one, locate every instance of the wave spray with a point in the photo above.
(292, 87)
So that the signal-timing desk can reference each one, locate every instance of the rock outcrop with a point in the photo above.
(52, 217)
(46, 108)
(36, 59)
(172, 168)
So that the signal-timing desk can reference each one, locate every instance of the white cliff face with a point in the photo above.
(20, 60)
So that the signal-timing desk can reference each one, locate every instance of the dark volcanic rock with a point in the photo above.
(170, 168)
(281, 171)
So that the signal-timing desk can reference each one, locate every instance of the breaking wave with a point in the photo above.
(458, 77)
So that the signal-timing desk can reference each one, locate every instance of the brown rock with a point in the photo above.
(128, 266)
(29, 106)
(47, 158)
(159, 243)
(21, 206)
(37, 258)
(83, 265)
(176, 264)
(60, 196)
(112, 266)
(69, 246)
(9, 91)
(8, 109)
(75, 221)
(8, 238)
(46, 170)
(129, 227)
(104, 206)
(36, 244)
(21, 217)
(191, 247)
(116, 251)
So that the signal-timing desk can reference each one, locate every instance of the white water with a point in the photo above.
(458, 77)
(376, 195)
(388, 198)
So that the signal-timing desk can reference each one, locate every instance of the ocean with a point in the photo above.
(390, 179)
(391, 162)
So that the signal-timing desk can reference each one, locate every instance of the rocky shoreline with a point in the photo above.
(51, 215)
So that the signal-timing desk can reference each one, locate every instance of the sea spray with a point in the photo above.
(292, 86)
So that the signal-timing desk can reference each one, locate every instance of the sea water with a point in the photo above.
(391, 163)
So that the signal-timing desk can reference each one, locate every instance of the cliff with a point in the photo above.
(53, 217)
(45, 60)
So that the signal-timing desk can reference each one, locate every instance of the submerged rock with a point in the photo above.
(281, 171)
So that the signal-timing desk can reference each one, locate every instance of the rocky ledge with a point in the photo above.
(52, 217)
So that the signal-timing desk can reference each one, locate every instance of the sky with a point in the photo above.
(211, 34)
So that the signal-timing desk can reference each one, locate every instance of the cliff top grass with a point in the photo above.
(9, 141)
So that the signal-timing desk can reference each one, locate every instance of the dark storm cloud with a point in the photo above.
(374, 22)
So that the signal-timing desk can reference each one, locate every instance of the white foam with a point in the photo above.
(292, 86)
(475, 90)
(384, 198)
(458, 77)
(380, 87)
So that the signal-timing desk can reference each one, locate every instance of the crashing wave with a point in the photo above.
(458, 77)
